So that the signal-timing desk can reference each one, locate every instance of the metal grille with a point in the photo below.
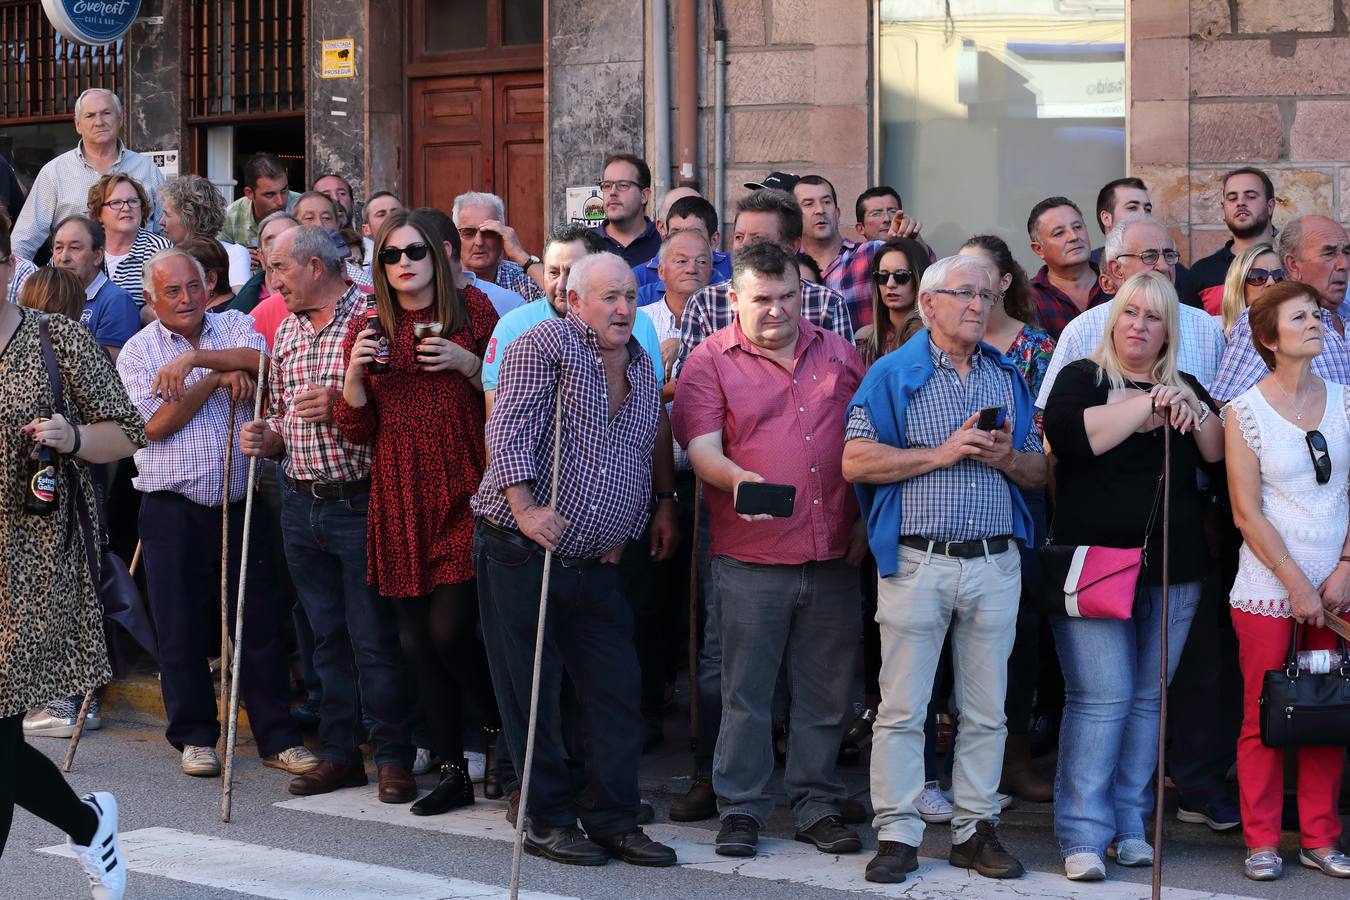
(244, 58)
(42, 73)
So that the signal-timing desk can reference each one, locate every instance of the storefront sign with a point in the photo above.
(92, 21)
(585, 205)
(339, 59)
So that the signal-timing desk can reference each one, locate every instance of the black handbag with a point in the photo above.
(1303, 709)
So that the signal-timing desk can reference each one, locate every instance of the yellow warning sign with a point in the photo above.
(339, 58)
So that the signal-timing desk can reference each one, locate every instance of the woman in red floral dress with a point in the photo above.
(425, 419)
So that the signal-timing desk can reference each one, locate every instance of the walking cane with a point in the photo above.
(225, 563)
(75, 735)
(228, 770)
(538, 662)
(693, 625)
(1162, 663)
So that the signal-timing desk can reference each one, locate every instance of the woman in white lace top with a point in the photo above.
(1288, 451)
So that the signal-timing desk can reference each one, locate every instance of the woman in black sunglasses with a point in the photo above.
(896, 270)
(1251, 272)
(425, 419)
(1288, 451)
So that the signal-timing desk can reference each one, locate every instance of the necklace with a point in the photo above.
(1298, 410)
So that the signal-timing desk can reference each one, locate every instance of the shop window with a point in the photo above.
(456, 25)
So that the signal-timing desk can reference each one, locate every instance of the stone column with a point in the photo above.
(151, 90)
(335, 108)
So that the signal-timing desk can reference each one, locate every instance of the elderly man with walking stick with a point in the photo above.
(586, 379)
(184, 372)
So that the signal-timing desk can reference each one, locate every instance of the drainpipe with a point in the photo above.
(660, 100)
(686, 41)
(719, 112)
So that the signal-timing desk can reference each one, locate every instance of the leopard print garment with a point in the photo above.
(51, 634)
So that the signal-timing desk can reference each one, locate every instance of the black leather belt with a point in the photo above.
(329, 490)
(958, 549)
(517, 539)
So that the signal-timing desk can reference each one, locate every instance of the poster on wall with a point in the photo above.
(585, 205)
(165, 160)
(92, 21)
(339, 58)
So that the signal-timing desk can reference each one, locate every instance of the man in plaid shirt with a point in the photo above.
(323, 523)
(186, 372)
(492, 250)
(1068, 282)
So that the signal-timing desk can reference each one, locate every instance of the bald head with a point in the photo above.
(672, 195)
(1314, 250)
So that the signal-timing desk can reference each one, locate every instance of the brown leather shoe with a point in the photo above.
(328, 777)
(397, 785)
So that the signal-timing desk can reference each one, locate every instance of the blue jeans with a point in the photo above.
(1108, 743)
(355, 633)
(811, 613)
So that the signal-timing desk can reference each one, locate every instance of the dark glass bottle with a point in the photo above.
(380, 364)
(43, 482)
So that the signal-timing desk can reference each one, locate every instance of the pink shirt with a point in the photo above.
(788, 428)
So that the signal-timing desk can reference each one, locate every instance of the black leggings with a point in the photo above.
(31, 780)
(439, 635)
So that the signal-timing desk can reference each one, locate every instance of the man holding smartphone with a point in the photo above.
(760, 409)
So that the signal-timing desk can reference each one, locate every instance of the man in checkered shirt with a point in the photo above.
(185, 372)
(492, 249)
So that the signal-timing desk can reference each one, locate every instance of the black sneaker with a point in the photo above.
(830, 836)
(1220, 814)
(983, 853)
(739, 836)
(893, 861)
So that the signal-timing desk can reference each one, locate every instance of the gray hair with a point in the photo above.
(310, 242)
(1115, 238)
(1290, 238)
(479, 198)
(576, 278)
(163, 256)
(663, 252)
(116, 101)
(197, 202)
(276, 217)
(568, 232)
(936, 275)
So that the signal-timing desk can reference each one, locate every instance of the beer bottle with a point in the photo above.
(40, 496)
(380, 364)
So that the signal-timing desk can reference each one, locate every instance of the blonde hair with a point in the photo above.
(1154, 290)
(1234, 288)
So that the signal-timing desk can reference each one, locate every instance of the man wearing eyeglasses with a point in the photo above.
(491, 249)
(626, 188)
(940, 437)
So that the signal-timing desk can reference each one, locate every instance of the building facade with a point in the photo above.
(972, 109)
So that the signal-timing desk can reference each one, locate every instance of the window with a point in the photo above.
(988, 106)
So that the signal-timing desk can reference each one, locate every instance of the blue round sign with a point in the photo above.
(92, 21)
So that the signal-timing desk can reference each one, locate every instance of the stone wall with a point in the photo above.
(1215, 84)
(335, 108)
(151, 90)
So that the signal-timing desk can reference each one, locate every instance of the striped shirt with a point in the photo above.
(302, 358)
(191, 460)
(126, 273)
(710, 310)
(605, 491)
(22, 269)
(967, 501)
(514, 278)
(62, 189)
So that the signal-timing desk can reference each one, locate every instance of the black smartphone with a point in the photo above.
(760, 498)
(991, 418)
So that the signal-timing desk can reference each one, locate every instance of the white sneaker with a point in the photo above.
(57, 720)
(477, 766)
(933, 806)
(1086, 866)
(1004, 800)
(102, 859)
(1132, 852)
(202, 762)
(422, 761)
(296, 760)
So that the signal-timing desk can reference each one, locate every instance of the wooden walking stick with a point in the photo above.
(516, 845)
(1162, 661)
(225, 564)
(231, 731)
(693, 625)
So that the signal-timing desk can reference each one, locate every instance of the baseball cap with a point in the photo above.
(783, 181)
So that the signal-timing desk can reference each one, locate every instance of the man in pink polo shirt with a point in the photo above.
(764, 400)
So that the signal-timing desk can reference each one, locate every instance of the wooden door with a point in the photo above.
(481, 133)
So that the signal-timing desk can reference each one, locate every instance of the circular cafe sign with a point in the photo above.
(92, 21)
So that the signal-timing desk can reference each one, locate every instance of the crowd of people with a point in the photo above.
(847, 450)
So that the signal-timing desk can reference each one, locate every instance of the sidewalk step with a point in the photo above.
(137, 699)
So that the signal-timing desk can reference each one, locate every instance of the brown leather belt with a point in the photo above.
(329, 490)
(957, 549)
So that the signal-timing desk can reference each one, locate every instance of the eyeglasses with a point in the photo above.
(1321, 459)
(391, 255)
(1258, 277)
(1150, 257)
(133, 203)
(902, 277)
(880, 213)
(621, 186)
(988, 298)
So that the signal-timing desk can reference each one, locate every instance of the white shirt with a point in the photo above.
(503, 300)
(241, 267)
(1198, 355)
(667, 327)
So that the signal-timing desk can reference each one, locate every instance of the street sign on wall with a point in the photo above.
(92, 21)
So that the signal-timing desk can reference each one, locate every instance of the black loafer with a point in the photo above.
(635, 848)
(564, 845)
(698, 804)
(892, 863)
(830, 836)
(739, 836)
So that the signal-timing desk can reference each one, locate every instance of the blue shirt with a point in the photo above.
(643, 247)
(503, 300)
(522, 319)
(110, 313)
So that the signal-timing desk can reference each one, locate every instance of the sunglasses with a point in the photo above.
(1321, 459)
(391, 255)
(1258, 277)
(902, 277)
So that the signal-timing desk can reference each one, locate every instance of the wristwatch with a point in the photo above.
(532, 261)
(667, 495)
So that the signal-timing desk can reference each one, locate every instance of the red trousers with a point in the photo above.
(1263, 644)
